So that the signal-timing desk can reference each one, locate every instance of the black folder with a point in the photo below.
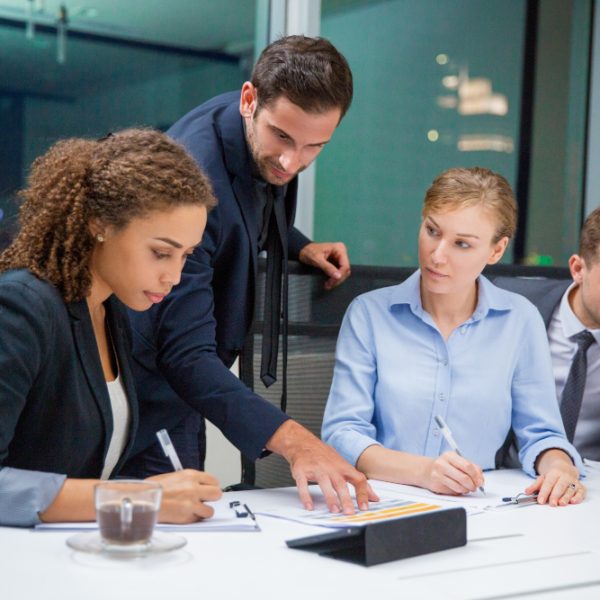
(385, 541)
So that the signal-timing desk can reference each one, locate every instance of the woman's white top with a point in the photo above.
(121, 418)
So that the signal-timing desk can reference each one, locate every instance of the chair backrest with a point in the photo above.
(315, 316)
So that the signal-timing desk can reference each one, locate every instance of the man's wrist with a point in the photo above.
(302, 253)
(287, 438)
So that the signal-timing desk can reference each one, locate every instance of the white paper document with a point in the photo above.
(399, 500)
(591, 465)
(474, 503)
(230, 515)
(392, 508)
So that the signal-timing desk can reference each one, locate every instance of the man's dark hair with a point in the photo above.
(309, 72)
(589, 242)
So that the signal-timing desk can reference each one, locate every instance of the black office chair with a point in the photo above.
(315, 316)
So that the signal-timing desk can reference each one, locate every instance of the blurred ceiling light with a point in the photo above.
(30, 25)
(61, 35)
(447, 101)
(450, 81)
(32, 7)
(441, 59)
(479, 86)
(433, 135)
(495, 104)
(476, 98)
(476, 142)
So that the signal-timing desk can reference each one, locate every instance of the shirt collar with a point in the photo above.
(491, 298)
(571, 325)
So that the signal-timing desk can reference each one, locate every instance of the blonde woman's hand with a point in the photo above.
(558, 483)
(453, 474)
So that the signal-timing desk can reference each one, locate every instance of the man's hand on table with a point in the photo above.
(313, 461)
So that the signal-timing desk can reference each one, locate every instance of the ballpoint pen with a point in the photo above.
(242, 513)
(169, 449)
(445, 430)
(520, 499)
(252, 516)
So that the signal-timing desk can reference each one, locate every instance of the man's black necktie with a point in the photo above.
(573, 391)
(275, 306)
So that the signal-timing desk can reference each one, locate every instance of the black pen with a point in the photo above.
(249, 512)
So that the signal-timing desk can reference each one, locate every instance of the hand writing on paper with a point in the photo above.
(453, 474)
(184, 494)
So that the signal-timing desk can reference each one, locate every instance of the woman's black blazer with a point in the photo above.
(55, 413)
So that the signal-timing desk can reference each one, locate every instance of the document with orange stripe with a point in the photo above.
(378, 511)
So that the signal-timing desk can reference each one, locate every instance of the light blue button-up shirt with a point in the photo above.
(394, 373)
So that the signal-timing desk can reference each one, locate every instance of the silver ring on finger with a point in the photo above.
(573, 486)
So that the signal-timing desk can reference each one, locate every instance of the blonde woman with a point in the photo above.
(447, 342)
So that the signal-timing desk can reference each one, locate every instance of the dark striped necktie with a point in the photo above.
(573, 391)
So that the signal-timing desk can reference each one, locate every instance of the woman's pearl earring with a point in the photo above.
(99, 237)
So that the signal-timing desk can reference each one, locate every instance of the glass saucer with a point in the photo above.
(90, 541)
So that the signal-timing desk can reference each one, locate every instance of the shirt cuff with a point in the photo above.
(559, 443)
(351, 444)
(25, 494)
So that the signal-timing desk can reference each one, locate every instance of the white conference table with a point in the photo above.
(526, 552)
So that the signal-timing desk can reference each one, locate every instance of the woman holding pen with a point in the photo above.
(104, 224)
(447, 350)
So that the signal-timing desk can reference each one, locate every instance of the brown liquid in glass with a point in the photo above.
(139, 531)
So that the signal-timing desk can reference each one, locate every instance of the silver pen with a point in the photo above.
(169, 449)
(450, 439)
(521, 498)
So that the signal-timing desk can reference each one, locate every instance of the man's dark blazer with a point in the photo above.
(55, 413)
(185, 345)
(546, 294)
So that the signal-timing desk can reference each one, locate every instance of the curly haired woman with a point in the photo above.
(104, 224)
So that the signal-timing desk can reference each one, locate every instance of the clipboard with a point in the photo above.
(378, 543)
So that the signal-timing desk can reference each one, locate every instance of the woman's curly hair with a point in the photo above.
(110, 181)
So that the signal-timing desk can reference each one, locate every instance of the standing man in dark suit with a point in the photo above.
(571, 311)
(252, 144)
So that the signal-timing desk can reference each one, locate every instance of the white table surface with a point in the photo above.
(528, 552)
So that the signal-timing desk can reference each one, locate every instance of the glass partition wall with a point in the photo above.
(438, 83)
(107, 80)
(502, 85)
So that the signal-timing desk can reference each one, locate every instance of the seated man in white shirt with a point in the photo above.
(568, 309)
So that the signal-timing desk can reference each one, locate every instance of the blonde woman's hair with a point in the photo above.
(464, 187)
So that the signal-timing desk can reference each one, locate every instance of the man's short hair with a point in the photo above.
(589, 243)
(309, 72)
